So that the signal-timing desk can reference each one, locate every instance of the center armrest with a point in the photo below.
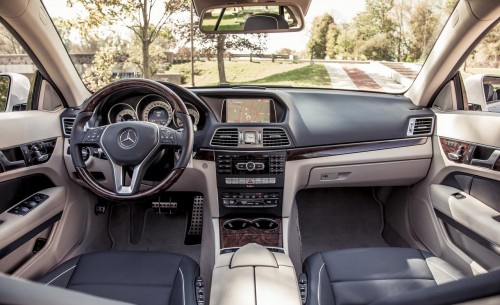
(253, 275)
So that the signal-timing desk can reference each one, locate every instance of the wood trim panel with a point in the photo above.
(334, 150)
(239, 238)
(463, 150)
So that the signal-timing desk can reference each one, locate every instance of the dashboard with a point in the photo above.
(255, 137)
(255, 118)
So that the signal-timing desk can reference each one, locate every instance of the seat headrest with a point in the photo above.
(488, 92)
(265, 22)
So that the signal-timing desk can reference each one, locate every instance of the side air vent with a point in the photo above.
(67, 124)
(226, 137)
(420, 126)
(274, 137)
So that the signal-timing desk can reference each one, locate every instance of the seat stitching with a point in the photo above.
(431, 263)
(60, 275)
(183, 291)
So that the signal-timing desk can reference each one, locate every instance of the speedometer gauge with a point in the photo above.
(158, 112)
(193, 114)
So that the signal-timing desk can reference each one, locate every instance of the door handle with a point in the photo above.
(488, 163)
(8, 165)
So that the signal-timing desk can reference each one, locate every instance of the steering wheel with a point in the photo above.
(131, 145)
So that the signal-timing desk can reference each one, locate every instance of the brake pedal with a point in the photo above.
(162, 207)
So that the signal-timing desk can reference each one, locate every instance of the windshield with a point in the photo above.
(370, 45)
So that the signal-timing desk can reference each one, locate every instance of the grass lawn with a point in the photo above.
(259, 73)
(314, 76)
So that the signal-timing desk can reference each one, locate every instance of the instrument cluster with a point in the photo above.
(151, 108)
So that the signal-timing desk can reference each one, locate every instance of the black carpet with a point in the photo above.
(338, 218)
(160, 232)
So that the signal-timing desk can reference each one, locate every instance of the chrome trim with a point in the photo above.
(411, 123)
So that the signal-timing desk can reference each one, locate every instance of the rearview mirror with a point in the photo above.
(14, 92)
(252, 18)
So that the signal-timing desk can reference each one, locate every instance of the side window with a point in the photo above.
(16, 71)
(481, 74)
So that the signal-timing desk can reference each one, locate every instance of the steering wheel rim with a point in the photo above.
(147, 136)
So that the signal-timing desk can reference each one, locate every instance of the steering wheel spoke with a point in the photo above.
(120, 177)
(169, 137)
(93, 135)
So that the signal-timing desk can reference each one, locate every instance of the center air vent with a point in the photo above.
(273, 137)
(226, 137)
(420, 126)
(67, 124)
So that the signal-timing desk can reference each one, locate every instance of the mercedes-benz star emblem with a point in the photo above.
(128, 138)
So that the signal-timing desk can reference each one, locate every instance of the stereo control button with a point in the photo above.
(250, 166)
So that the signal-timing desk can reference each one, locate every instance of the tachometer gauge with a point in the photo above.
(158, 112)
(126, 115)
(193, 113)
(121, 112)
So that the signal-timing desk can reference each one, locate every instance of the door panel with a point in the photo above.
(468, 215)
(455, 211)
(45, 175)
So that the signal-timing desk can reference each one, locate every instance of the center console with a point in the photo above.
(250, 182)
(250, 188)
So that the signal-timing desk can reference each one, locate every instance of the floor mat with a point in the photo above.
(161, 232)
(338, 218)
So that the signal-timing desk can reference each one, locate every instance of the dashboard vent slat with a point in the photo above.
(275, 137)
(225, 137)
(420, 126)
(67, 124)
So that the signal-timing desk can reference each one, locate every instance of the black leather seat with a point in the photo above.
(265, 22)
(136, 277)
(362, 276)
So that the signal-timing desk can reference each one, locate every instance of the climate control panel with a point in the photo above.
(251, 199)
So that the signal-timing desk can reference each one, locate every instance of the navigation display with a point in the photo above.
(248, 110)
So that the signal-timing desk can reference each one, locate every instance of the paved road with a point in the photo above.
(366, 76)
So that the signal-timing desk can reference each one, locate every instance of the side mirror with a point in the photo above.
(483, 92)
(14, 92)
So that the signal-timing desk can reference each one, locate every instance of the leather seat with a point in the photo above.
(362, 276)
(265, 22)
(134, 277)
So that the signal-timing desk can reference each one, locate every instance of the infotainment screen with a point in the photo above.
(248, 110)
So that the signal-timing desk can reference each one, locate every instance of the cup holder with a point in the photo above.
(259, 223)
(237, 224)
(265, 224)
